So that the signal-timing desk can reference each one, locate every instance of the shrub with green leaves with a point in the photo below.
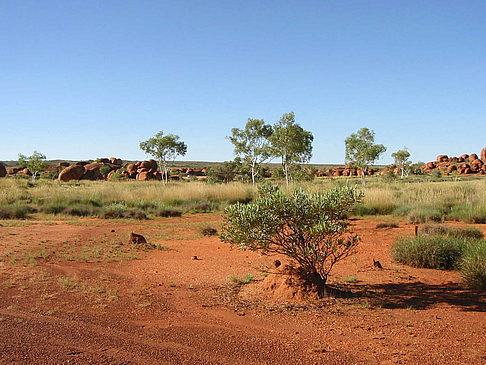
(310, 228)
(473, 266)
(435, 251)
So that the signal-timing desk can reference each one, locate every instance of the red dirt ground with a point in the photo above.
(71, 292)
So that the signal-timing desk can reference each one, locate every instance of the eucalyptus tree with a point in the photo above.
(252, 144)
(361, 149)
(291, 143)
(164, 149)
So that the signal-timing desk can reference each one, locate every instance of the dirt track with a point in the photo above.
(59, 305)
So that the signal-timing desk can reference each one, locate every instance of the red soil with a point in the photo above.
(168, 308)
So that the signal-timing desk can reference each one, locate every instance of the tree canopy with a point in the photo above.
(252, 144)
(164, 149)
(35, 163)
(291, 143)
(402, 161)
(361, 149)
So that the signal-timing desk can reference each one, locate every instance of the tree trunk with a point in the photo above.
(285, 171)
(253, 172)
(363, 181)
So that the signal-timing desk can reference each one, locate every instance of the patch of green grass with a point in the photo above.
(430, 251)
(16, 211)
(244, 280)
(422, 214)
(466, 232)
(351, 279)
(362, 209)
(473, 266)
(470, 213)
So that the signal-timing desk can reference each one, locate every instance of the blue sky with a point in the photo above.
(88, 79)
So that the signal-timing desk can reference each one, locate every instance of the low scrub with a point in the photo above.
(118, 210)
(468, 213)
(473, 266)
(465, 232)
(430, 251)
(15, 211)
(422, 214)
(166, 212)
(362, 209)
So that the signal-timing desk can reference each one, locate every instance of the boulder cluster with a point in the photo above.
(463, 165)
(348, 170)
(105, 168)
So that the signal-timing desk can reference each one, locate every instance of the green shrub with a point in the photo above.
(473, 266)
(430, 251)
(362, 209)
(105, 170)
(166, 212)
(465, 232)
(79, 211)
(468, 213)
(307, 227)
(114, 210)
(422, 214)
(54, 208)
(15, 211)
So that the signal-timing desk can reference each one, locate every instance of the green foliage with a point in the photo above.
(227, 171)
(245, 280)
(105, 170)
(401, 158)
(164, 149)
(252, 144)
(361, 149)
(473, 266)
(430, 251)
(35, 163)
(422, 214)
(291, 143)
(465, 232)
(469, 213)
(15, 211)
(310, 228)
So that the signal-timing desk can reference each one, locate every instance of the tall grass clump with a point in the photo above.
(465, 232)
(473, 266)
(15, 211)
(468, 213)
(429, 251)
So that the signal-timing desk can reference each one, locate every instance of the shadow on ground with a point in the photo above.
(417, 295)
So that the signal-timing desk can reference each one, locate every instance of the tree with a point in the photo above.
(252, 144)
(291, 143)
(361, 149)
(402, 161)
(35, 163)
(310, 228)
(164, 149)
(225, 172)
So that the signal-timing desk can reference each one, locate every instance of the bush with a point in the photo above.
(468, 213)
(165, 212)
(16, 212)
(424, 214)
(307, 227)
(208, 231)
(430, 251)
(362, 209)
(54, 208)
(387, 225)
(465, 232)
(473, 266)
(79, 211)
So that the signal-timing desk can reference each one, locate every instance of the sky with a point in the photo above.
(88, 79)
